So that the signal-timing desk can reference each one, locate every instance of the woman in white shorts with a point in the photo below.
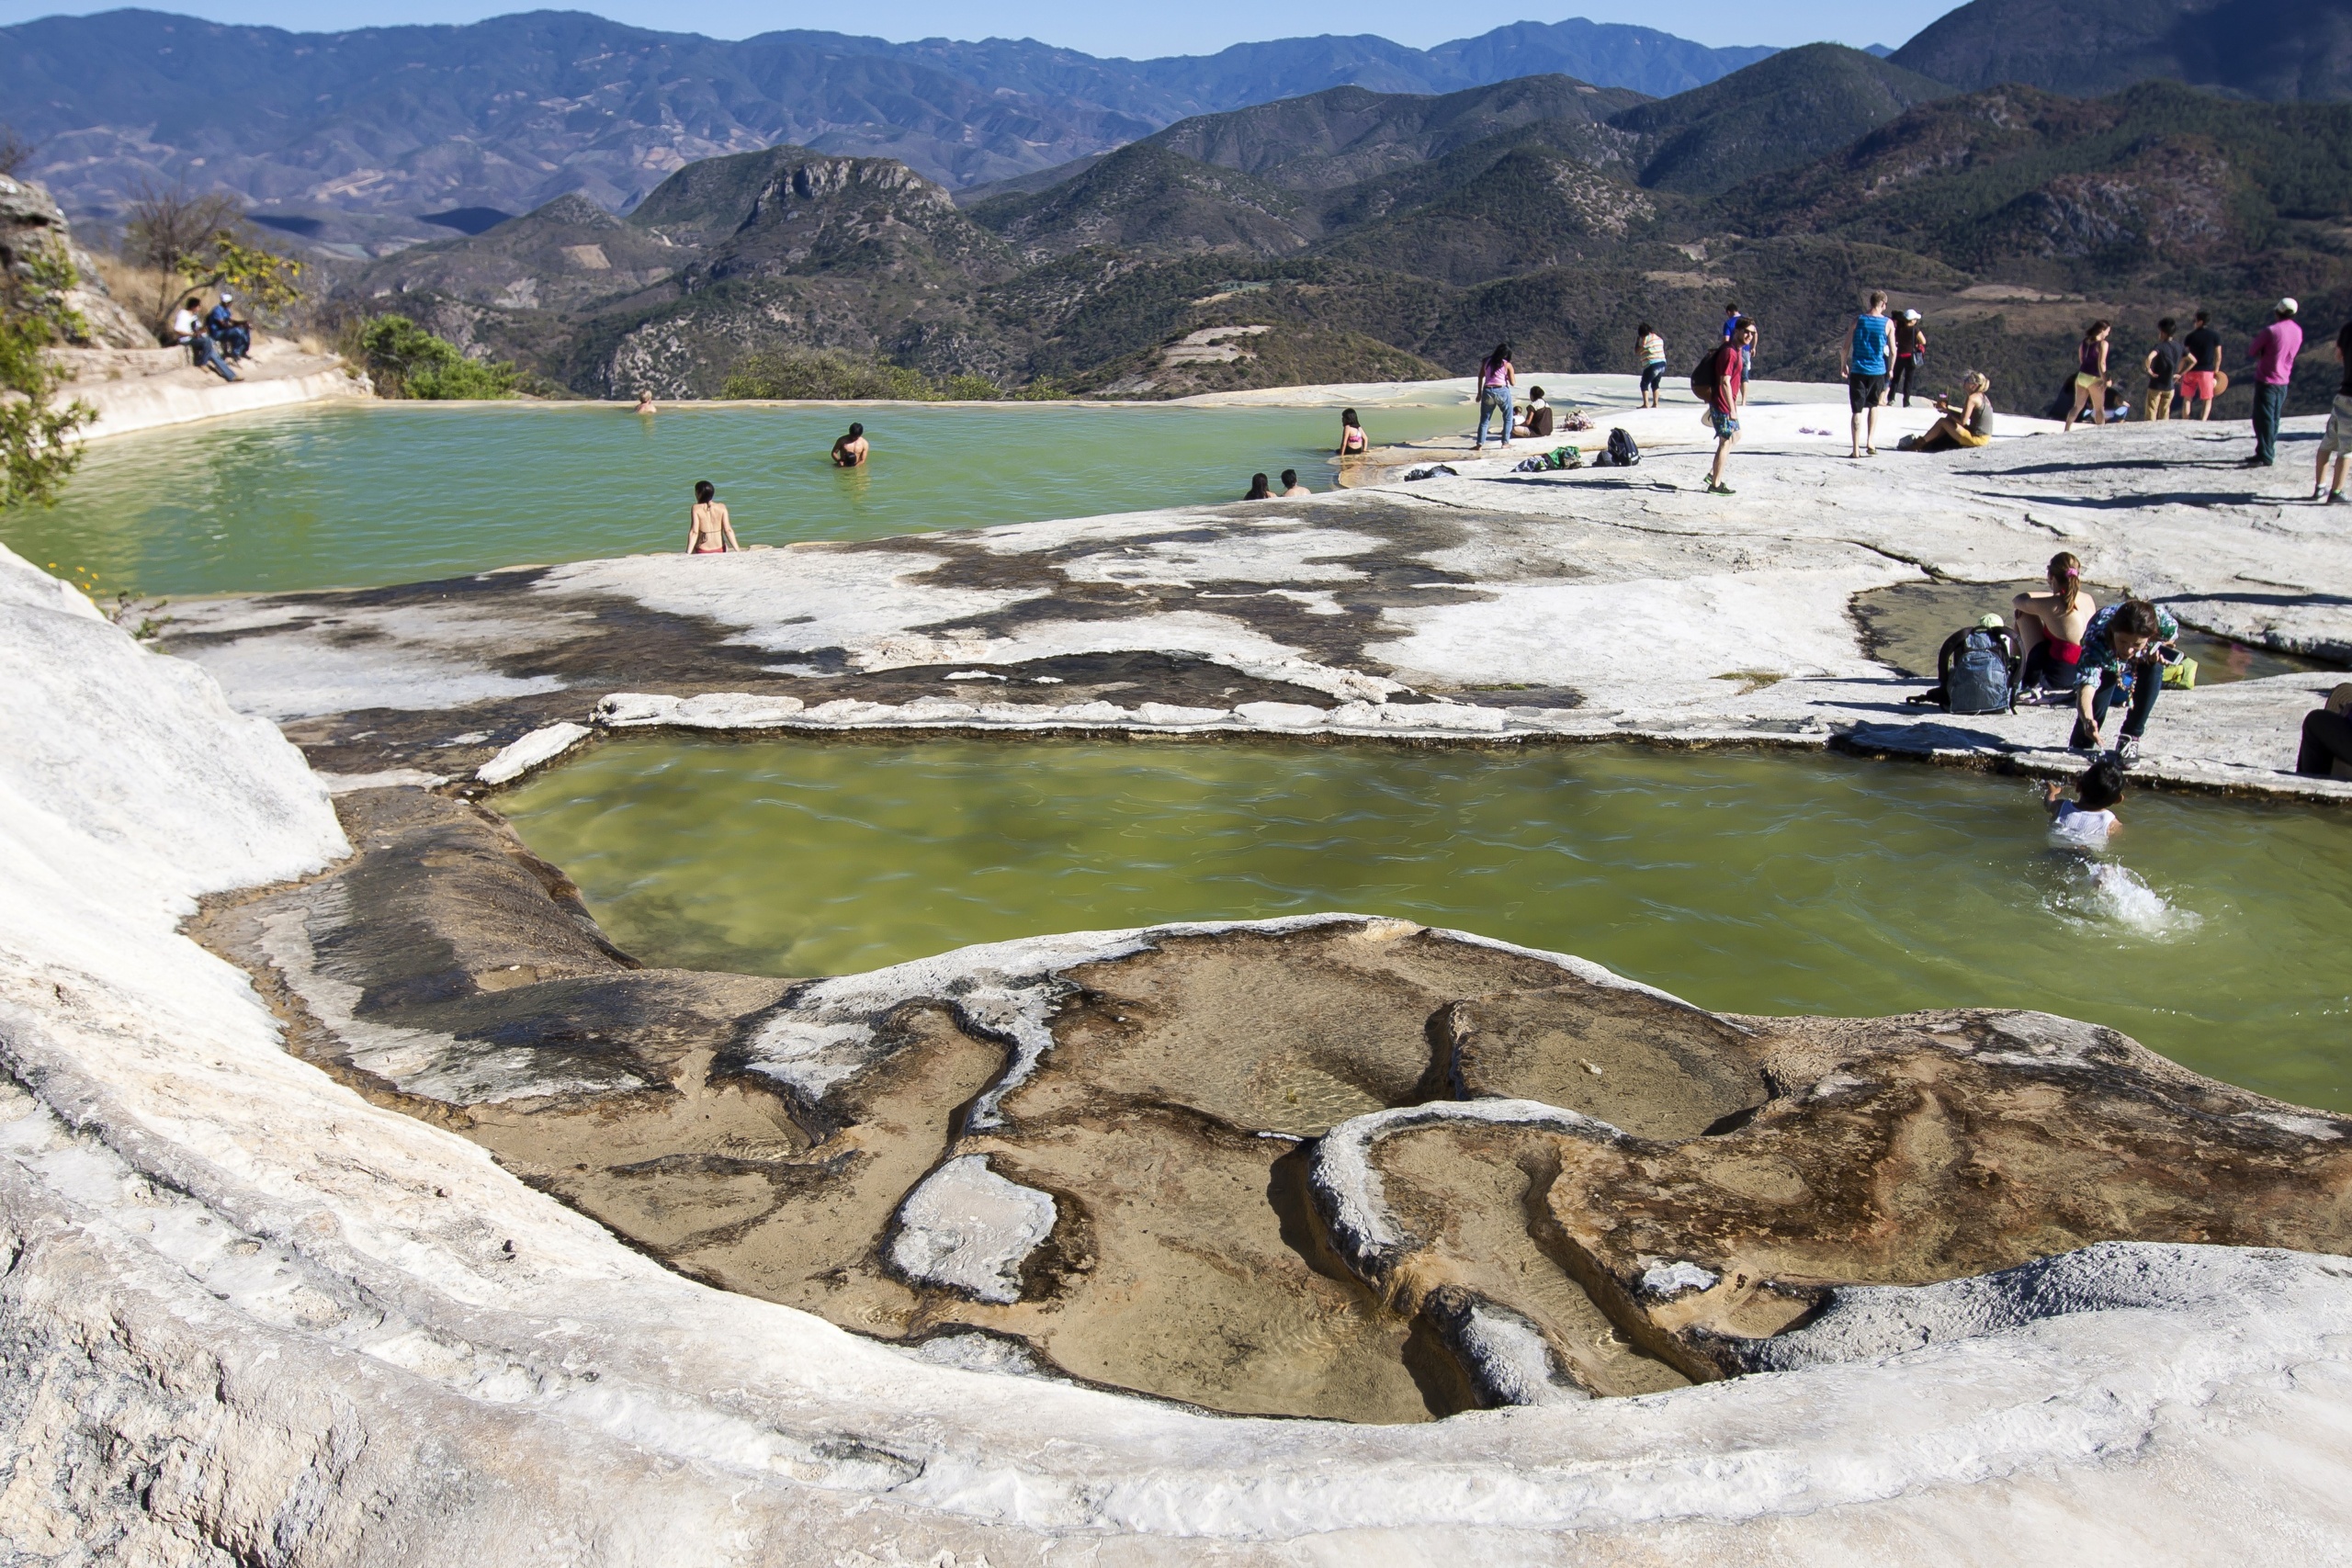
(2336, 440)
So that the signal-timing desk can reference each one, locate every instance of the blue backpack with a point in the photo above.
(1978, 666)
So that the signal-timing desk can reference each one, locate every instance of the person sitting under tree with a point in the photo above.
(187, 330)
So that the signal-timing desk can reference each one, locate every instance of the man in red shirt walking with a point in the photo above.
(1727, 368)
(2275, 347)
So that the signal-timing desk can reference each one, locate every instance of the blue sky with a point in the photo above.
(1197, 27)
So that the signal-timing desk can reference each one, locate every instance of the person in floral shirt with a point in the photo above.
(2125, 649)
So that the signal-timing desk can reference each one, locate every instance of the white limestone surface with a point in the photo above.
(533, 750)
(967, 1228)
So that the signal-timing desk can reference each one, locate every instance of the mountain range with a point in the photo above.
(510, 113)
(1347, 235)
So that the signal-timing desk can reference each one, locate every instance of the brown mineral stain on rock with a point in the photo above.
(1732, 1171)
(1473, 1193)
(1654, 1068)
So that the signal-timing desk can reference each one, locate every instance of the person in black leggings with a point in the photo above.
(1910, 348)
(2327, 736)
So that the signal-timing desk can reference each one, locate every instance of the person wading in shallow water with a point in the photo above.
(709, 532)
(850, 451)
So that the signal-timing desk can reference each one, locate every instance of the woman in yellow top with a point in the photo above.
(710, 531)
(2090, 379)
(1653, 365)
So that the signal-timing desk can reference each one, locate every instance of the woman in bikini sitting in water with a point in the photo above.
(1352, 440)
(2050, 626)
(710, 532)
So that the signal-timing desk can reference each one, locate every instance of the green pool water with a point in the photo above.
(365, 495)
(1743, 882)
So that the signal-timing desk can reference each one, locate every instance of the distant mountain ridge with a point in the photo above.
(511, 112)
(2283, 50)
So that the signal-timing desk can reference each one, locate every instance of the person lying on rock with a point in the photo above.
(2125, 647)
(850, 451)
(187, 330)
(2085, 821)
(2326, 750)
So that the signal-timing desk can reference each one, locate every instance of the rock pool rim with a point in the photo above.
(2288, 789)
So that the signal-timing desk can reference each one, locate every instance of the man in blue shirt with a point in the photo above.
(1870, 357)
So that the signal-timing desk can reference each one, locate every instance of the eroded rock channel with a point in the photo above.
(1338, 1166)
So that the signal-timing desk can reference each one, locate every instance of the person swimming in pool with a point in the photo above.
(851, 450)
(1291, 486)
(709, 532)
(645, 402)
(1259, 488)
(2086, 821)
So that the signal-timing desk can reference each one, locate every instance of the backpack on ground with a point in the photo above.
(1978, 667)
(1621, 453)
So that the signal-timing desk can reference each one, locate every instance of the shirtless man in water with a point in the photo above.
(710, 531)
(850, 451)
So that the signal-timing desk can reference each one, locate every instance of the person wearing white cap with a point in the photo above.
(1910, 353)
(2274, 351)
(221, 324)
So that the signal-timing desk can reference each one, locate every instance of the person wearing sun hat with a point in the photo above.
(1910, 353)
(2275, 347)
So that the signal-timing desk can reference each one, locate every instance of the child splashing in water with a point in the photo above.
(2086, 821)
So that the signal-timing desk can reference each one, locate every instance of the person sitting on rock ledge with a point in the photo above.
(1535, 419)
(235, 338)
(851, 450)
(1259, 488)
(709, 531)
(187, 330)
(1970, 424)
(1352, 440)
(2124, 649)
(2326, 751)
(2050, 627)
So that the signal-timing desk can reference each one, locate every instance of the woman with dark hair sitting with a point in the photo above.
(2326, 751)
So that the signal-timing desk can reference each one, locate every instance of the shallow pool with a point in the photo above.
(1743, 882)
(365, 495)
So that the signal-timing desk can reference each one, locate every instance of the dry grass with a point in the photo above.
(144, 291)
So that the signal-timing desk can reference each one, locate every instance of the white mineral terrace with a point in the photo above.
(250, 1316)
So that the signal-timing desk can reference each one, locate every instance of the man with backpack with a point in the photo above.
(1720, 380)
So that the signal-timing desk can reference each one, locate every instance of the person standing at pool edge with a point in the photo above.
(1652, 351)
(850, 451)
(2200, 376)
(2163, 365)
(709, 531)
(1869, 355)
(2274, 351)
(1496, 380)
(1722, 380)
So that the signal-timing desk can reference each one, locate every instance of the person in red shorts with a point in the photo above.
(2200, 371)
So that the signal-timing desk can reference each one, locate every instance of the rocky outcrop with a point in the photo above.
(1332, 1166)
(32, 226)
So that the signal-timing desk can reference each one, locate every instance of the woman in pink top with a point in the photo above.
(1495, 381)
(2275, 347)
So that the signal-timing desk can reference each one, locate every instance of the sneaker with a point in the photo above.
(2126, 750)
(2335, 498)
(2256, 463)
(1715, 487)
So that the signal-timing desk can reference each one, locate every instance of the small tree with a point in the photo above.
(406, 361)
(37, 449)
(15, 150)
(269, 281)
(168, 228)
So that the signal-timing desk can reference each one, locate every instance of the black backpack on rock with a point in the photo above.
(1621, 452)
(1978, 667)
